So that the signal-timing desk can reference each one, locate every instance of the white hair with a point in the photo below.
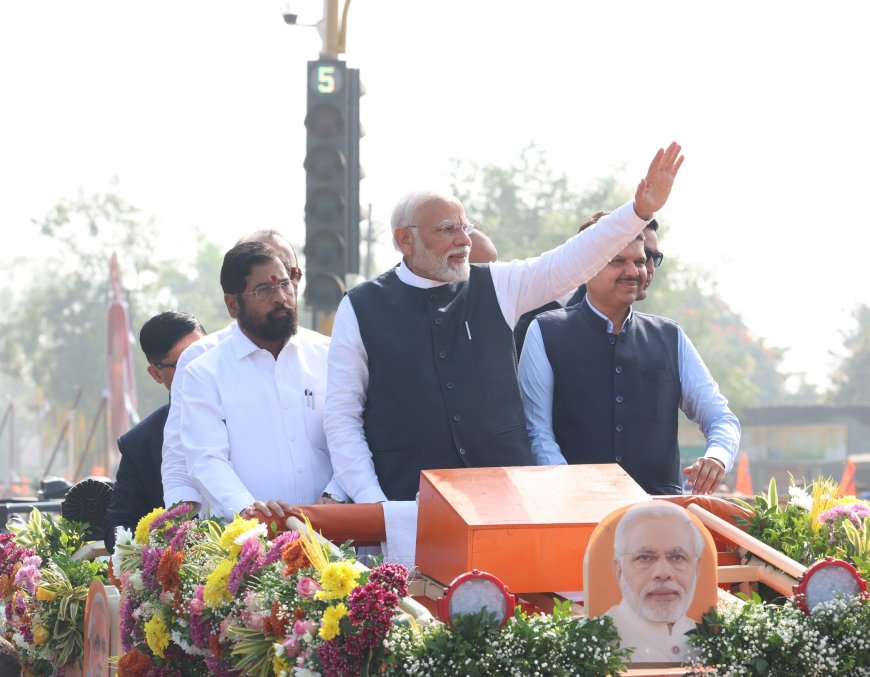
(406, 208)
(653, 509)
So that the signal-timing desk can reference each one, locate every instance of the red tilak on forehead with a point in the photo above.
(274, 279)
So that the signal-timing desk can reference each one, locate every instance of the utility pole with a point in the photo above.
(332, 171)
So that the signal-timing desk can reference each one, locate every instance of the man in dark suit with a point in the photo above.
(138, 486)
(653, 260)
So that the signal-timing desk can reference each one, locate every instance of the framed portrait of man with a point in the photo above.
(651, 567)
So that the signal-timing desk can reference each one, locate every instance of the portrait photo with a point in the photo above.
(651, 567)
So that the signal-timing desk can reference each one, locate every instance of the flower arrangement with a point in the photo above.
(45, 598)
(816, 522)
(771, 639)
(527, 646)
(203, 596)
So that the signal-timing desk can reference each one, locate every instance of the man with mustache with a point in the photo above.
(422, 365)
(653, 260)
(252, 406)
(602, 383)
(656, 555)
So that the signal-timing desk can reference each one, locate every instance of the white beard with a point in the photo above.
(438, 268)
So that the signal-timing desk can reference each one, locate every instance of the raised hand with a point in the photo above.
(653, 190)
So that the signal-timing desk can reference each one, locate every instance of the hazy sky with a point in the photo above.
(198, 106)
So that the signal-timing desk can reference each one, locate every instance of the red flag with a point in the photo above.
(119, 361)
(847, 481)
(744, 479)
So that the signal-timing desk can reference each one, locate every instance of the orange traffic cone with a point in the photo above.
(743, 485)
(847, 481)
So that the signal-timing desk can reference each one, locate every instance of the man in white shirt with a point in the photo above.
(252, 406)
(177, 484)
(422, 365)
(656, 556)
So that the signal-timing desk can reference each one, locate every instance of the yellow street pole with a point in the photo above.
(335, 30)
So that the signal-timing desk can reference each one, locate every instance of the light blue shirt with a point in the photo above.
(700, 400)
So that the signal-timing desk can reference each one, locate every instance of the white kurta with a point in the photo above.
(653, 642)
(252, 426)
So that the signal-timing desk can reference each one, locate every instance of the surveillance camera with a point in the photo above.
(290, 11)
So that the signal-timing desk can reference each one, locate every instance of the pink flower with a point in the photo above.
(254, 621)
(307, 587)
(292, 645)
(305, 627)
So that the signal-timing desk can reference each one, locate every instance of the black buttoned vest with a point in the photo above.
(616, 396)
(443, 389)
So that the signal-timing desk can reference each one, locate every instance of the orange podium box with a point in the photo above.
(528, 525)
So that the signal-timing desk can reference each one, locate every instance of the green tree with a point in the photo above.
(528, 208)
(53, 331)
(850, 383)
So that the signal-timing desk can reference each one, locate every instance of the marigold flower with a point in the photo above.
(294, 557)
(143, 529)
(134, 663)
(329, 628)
(168, 570)
(157, 635)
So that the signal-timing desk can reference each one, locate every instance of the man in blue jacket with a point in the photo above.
(138, 486)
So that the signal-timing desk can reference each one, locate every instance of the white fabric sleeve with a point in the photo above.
(536, 387)
(521, 286)
(206, 447)
(347, 383)
(177, 485)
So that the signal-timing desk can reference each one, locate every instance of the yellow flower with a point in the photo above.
(232, 531)
(281, 664)
(215, 593)
(143, 529)
(337, 580)
(157, 635)
(824, 498)
(329, 624)
(40, 634)
(45, 595)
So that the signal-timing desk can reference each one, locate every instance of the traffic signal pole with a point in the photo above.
(332, 172)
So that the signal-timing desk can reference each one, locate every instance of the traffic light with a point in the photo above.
(332, 176)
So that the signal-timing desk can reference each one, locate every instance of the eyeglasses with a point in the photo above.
(265, 291)
(657, 257)
(449, 230)
(165, 365)
(646, 558)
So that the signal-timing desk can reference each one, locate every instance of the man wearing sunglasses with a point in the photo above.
(138, 489)
(422, 364)
(602, 383)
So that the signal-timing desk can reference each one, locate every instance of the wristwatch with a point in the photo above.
(326, 494)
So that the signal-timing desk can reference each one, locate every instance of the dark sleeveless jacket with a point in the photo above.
(616, 396)
(437, 398)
